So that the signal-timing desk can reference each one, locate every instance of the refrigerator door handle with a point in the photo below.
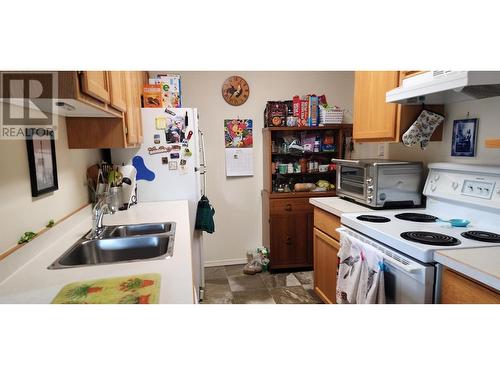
(203, 166)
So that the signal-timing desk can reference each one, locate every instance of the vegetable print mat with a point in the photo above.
(135, 289)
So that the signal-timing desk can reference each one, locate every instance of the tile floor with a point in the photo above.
(228, 284)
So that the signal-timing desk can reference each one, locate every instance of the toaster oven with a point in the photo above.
(380, 183)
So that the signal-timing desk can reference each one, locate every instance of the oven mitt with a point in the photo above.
(422, 129)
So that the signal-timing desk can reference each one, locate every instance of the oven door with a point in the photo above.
(351, 181)
(406, 279)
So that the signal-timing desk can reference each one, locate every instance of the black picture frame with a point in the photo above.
(42, 163)
(464, 137)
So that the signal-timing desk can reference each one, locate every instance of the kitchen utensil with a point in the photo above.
(456, 222)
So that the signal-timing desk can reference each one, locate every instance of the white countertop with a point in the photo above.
(24, 277)
(337, 206)
(481, 264)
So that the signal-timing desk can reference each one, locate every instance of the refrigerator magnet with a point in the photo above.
(172, 165)
(185, 143)
(174, 155)
(160, 122)
(164, 160)
(183, 169)
(176, 147)
(187, 152)
(156, 139)
(157, 150)
(183, 162)
(190, 134)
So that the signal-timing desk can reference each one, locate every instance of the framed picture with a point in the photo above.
(42, 162)
(464, 137)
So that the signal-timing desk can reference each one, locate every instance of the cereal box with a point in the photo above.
(153, 97)
(171, 89)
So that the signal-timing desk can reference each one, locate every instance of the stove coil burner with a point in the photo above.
(431, 238)
(373, 218)
(482, 236)
(413, 216)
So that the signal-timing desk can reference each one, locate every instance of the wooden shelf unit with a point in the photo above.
(287, 223)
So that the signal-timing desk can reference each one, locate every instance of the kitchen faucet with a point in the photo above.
(98, 212)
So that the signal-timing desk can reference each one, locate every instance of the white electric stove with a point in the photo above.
(453, 191)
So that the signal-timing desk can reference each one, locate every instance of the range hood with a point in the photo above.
(446, 86)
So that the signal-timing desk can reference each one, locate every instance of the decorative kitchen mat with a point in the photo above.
(140, 289)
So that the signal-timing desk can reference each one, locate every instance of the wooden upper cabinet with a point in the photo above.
(133, 123)
(95, 84)
(117, 90)
(125, 130)
(374, 119)
(378, 121)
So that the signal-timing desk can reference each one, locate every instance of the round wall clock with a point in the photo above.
(235, 90)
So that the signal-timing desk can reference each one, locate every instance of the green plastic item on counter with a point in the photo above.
(26, 237)
(51, 223)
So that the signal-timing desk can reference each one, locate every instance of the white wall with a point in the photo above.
(488, 112)
(19, 212)
(238, 200)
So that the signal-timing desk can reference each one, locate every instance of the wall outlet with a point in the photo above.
(381, 150)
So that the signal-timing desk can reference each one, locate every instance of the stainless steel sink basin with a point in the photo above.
(123, 243)
(137, 230)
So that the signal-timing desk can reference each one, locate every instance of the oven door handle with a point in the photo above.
(345, 161)
(395, 262)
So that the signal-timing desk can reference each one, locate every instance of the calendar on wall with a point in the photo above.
(238, 140)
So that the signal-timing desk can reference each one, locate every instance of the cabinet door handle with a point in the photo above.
(288, 207)
(288, 241)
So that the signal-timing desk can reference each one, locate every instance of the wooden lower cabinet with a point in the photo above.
(325, 265)
(326, 247)
(287, 232)
(456, 288)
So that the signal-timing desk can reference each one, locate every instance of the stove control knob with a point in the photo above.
(436, 177)
(369, 180)
(369, 198)
(454, 185)
(369, 189)
(433, 187)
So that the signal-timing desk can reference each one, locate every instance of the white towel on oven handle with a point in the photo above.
(371, 287)
(349, 269)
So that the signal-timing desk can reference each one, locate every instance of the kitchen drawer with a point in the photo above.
(289, 206)
(327, 223)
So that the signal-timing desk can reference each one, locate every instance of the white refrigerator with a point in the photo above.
(171, 166)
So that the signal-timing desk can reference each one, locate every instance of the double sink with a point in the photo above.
(121, 243)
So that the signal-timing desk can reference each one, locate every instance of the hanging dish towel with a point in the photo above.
(205, 216)
(371, 287)
(349, 269)
(421, 130)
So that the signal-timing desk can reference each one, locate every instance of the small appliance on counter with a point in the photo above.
(129, 192)
(379, 183)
